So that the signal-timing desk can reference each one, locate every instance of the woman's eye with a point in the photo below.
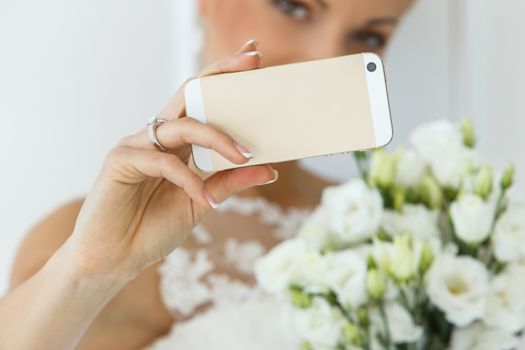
(372, 40)
(294, 9)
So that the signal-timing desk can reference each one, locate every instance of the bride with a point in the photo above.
(149, 259)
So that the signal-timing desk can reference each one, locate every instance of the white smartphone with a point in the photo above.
(294, 111)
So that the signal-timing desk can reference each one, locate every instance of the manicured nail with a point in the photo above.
(253, 53)
(244, 151)
(250, 42)
(276, 176)
(210, 199)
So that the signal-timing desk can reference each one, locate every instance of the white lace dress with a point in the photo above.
(208, 283)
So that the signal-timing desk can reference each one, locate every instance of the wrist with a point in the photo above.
(96, 259)
(85, 281)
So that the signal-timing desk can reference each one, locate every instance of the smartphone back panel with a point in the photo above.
(288, 112)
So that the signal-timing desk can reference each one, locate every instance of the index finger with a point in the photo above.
(246, 58)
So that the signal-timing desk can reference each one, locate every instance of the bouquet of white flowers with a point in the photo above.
(425, 251)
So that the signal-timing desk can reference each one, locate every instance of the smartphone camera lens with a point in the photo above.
(371, 67)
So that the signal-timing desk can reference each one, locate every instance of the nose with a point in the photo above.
(324, 46)
(314, 46)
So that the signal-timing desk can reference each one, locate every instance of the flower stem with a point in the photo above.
(385, 324)
(361, 159)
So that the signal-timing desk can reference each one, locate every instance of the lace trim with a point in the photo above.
(287, 221)
(228, 291)
(201, 234)
(185, 279)
(255, 324)
(243, 255)
(181, 286)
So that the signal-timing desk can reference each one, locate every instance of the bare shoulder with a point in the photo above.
(43, 239)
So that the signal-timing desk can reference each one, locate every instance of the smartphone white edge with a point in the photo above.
(195, 109)
(378, 96)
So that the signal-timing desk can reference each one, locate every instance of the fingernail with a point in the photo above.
(276, 176)
(210, 199)
(250, 42)
(244, 151)
(253, 53)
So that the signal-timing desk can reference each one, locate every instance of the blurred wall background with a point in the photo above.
(488, 75)
(77, 76)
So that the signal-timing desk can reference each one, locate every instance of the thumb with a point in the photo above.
(224, 184)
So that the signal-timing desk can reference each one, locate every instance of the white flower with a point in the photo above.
(479, 337)
(417, 220)
(346, 275)
(363, 250)
(509, 235)
(440, 144)
(429, 138)
(275, 270)
(400, 323)
(311, 272)
(314, 231)
(458, 286)
(292, 262)
(402, 327)
(377, 333)
(505, 303)
(320, 324)
(472, 218)
(410, 169)
(353, 210)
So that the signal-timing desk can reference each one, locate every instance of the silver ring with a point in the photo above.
(153, 123)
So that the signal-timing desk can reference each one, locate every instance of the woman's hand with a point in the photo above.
(145, 202)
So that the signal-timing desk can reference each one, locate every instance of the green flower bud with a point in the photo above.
(431, 193)
(507, 178)
(398, 198)
(467, 128)
(427, 258)
(382, 169)
(483, 184)
(403, 262)
(352, 334)
(306, 346)
(383, 258)
(371, 263)
(375, 284)
(412, 195)
(299, 298)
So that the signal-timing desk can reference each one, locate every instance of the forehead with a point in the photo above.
(363, 10)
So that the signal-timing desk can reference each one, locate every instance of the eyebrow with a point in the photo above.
(383, 21)
(322, 3)
(376, 21)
